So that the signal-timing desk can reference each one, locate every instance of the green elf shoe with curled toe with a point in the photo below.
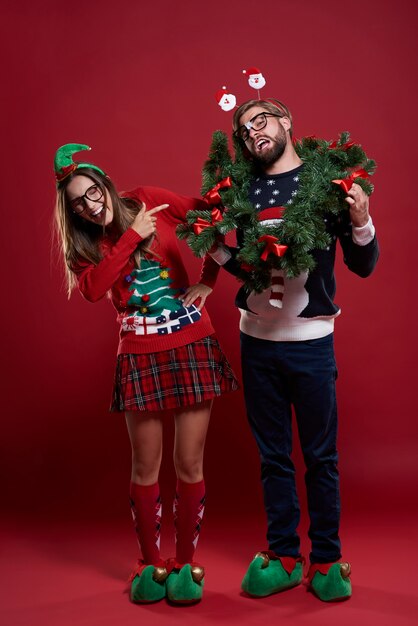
(269, 573)
(148, 583)
(185, 583)
(330, 581)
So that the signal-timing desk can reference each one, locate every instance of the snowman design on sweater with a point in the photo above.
(268, 194)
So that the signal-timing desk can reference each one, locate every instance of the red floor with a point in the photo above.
(56, 575)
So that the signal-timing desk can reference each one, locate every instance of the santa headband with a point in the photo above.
(227, 101)
(64, 164)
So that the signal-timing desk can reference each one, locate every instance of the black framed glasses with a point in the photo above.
(258, 122)
(93, 193)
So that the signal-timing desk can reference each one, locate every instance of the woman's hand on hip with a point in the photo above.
(194, 292)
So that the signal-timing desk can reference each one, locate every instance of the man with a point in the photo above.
(288, 359)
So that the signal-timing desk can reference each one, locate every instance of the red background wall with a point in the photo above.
(136, 82)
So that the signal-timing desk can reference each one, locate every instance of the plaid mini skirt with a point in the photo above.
(173, 378)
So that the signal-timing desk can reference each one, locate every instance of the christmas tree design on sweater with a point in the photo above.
(158, 310)
(151, 291)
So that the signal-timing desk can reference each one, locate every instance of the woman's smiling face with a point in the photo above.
(89, 200)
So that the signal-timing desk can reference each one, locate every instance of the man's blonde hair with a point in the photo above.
(270, 106)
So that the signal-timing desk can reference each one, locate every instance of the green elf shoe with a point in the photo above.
(269, 573)
(148, 583)
(185, 582)
(330, 581)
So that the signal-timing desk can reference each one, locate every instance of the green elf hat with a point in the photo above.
(64, 164)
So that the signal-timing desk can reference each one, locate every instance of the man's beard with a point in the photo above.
(273, 154)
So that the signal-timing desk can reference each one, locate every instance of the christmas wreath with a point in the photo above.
(330, 168)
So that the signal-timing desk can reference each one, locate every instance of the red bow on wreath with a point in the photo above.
(345, 146)
(347, 183)
(200, 224)
(271, 246)
(212, 196)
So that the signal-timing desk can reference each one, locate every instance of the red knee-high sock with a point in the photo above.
(189, 505)
(146, 513)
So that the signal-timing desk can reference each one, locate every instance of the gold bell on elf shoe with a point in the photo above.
(160, 574)
(198, 573)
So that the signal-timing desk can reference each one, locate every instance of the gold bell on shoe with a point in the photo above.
(198, 573)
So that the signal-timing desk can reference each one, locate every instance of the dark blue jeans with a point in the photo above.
(277, 375)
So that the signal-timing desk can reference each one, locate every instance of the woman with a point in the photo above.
(169, 361)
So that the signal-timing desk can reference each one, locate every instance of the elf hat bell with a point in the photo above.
(64, 164)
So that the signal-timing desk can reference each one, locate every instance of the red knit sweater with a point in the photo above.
(115, 272)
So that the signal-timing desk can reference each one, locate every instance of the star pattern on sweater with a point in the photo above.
(269, 192)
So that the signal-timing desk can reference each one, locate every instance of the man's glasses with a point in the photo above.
(258, 122)
(93, 193)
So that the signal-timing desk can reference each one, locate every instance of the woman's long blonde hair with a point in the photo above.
(80, 239)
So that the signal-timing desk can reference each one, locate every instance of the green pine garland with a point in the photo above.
(302, 230)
